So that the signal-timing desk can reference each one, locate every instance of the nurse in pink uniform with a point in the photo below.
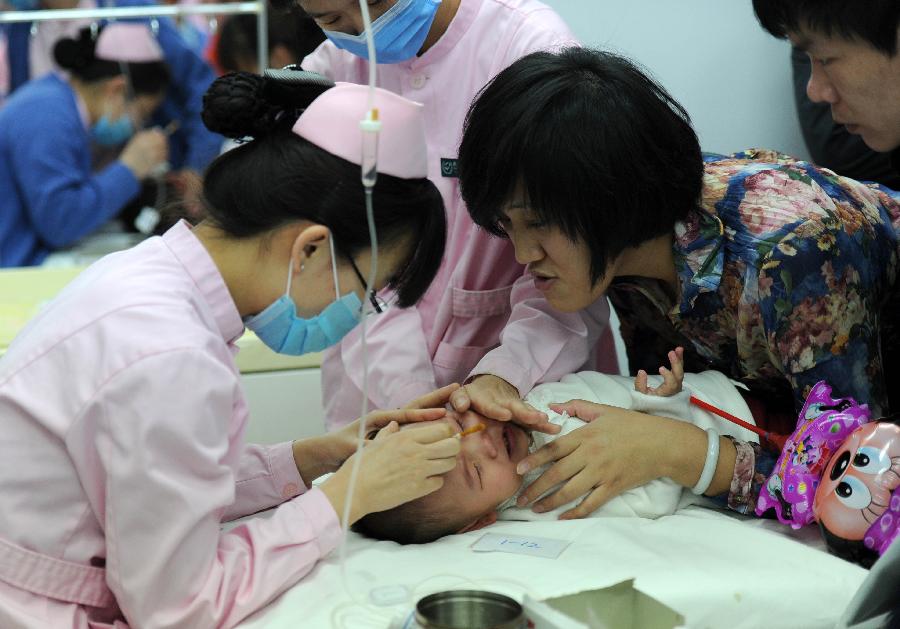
(482, 321)
(123, 415)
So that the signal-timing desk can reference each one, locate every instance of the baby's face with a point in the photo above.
(485, 474)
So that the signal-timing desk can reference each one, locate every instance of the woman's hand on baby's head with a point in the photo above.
(673, 379)
(495, 398)
(616, 450)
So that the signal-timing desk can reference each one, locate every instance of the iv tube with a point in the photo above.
(369, 127)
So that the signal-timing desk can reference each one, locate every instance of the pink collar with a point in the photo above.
(465, 16)
(200, 267)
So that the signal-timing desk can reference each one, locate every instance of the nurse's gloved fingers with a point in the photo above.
(431, 433)
(445, 448)
(377, 419)
(430, 485)
(582, 409)
(437, 467)
(436, 399)
(384, 431)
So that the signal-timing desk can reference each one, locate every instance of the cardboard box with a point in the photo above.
(619, 606)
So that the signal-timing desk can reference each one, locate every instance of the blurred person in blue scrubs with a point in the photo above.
(192, 147)
(49, 196)
(292, 36)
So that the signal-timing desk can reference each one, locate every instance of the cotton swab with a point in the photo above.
(470, 431)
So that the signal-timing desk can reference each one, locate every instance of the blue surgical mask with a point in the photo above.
(399, 33)
(107, 132)
(279, 327)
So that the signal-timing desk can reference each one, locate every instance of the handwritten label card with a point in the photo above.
(534, 546)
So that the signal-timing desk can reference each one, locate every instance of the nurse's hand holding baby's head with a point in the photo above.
(483, 478)
(397, 467)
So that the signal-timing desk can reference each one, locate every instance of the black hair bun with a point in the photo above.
(242, 104)
(236, 106)
(75, 54)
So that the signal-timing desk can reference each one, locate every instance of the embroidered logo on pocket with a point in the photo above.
(449, 167)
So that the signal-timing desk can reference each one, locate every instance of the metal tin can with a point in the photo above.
(469, 609)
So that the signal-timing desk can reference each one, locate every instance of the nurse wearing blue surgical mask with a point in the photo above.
(123, 413)
(399, 32)
(49, 196)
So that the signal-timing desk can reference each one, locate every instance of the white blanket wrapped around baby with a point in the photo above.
(659, 497)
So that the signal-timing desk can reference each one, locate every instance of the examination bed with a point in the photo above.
(715, 569)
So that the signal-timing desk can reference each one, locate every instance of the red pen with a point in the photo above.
(778, 440)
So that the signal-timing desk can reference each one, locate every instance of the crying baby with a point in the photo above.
(484, 485)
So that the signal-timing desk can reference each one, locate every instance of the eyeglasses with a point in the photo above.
(377, 303)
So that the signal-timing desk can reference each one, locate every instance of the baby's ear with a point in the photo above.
(486, 520)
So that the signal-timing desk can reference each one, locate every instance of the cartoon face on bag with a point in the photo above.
(856, 488)
(823, 425)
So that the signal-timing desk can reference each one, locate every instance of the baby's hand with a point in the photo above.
(672, 379)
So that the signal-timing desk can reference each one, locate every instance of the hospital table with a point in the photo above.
(283, 392)
(715, 569)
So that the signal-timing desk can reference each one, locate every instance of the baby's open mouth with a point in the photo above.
(507, 441)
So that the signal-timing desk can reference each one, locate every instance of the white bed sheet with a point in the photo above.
(716, 569)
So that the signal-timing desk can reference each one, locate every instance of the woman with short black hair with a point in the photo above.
(763, 267)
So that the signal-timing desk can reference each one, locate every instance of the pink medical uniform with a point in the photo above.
(481, 314)
(122, 452)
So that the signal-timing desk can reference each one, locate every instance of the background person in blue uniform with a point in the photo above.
(193, 146)
(49, 197)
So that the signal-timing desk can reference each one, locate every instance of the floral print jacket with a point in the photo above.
(783, 270)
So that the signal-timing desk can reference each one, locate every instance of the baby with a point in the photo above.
(484, 485)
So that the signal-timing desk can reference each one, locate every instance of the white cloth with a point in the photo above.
(656, 498)
(717, 569)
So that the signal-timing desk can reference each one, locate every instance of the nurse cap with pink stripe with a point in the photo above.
(128, 42)
(331, 122)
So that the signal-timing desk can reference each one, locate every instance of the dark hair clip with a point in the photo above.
(292, 75)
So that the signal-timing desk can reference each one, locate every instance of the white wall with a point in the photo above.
(732, 77)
